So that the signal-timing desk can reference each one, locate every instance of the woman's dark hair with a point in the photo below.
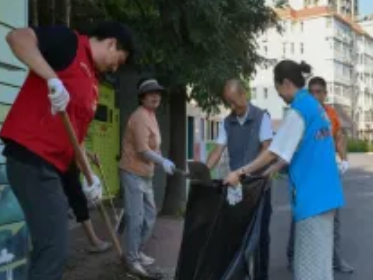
(317, 81)
(292, 71)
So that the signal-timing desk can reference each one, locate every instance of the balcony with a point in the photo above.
(359, 68)
(368, 68)
(362, 86)
(342, 100)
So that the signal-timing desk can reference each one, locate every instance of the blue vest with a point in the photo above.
(315, 184)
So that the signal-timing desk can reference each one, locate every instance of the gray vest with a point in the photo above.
(243, 140)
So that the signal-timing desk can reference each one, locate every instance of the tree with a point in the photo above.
(35, 15)
(67, 14)
(195, 43)
(199, 43)
(53, 11)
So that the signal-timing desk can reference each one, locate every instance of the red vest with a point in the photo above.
(30, 122)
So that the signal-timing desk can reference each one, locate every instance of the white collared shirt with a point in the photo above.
(265, 134)
(288, 136)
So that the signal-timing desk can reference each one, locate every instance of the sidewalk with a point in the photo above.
(163, 245)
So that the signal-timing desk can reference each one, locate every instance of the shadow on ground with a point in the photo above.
(357, 234)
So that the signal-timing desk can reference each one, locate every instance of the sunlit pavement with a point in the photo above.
(357, 234)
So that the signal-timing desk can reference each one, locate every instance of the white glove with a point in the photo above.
(58, 95)
(168, 166)
(6, 256)
(344, 165)
(234, 195)
(94, 192)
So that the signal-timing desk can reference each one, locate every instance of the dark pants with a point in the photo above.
(74, 192)
(39, 191)
(263, 255)
(291, 242)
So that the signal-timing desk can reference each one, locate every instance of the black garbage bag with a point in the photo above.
(219, 239)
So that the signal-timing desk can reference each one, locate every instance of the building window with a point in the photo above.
(301, 48)
(266, 50)
(284, 48)
(202, 129)
(330, 88)
(292, 48)
(344, 69)
(301, 26)
(338, 46)
(328, 22)
(253, 93)
(265, 93)
(212, 130)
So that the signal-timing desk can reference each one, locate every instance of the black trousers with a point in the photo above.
(74, 192)
(263, 253)
(38, 188)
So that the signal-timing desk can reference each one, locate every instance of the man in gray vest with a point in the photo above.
(245, 133)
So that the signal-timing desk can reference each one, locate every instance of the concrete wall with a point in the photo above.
(127, 103)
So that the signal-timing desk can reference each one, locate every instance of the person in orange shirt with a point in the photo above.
(318, 88)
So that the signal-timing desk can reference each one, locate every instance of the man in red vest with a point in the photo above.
(64, 67)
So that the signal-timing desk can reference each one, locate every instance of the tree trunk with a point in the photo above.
(175, 198)
(53, 11)
(67, 15)
(35, 14)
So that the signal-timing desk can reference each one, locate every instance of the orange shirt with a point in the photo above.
(334, 119)
(142, 134)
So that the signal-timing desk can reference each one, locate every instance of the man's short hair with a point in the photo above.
(116, 30)
(237, 84)
(317, 81)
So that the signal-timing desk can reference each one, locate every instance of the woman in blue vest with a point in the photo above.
(315, 186)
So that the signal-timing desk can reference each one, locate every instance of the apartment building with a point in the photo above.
(338, 50)
(367, 24)
(365, 77)
(349, 8)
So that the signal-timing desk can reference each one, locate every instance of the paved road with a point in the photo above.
(357, 231)
(357, 222)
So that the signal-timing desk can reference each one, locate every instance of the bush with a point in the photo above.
(359, 146)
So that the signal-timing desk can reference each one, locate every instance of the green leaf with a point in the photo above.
(199, 43)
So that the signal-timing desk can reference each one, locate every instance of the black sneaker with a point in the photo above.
(290, 266)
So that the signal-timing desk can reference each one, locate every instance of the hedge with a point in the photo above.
(359, 146)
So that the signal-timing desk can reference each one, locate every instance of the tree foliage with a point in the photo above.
(199, 43)
(188, 43)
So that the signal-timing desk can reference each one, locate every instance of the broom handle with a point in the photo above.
(86, 171)
(77, 150)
